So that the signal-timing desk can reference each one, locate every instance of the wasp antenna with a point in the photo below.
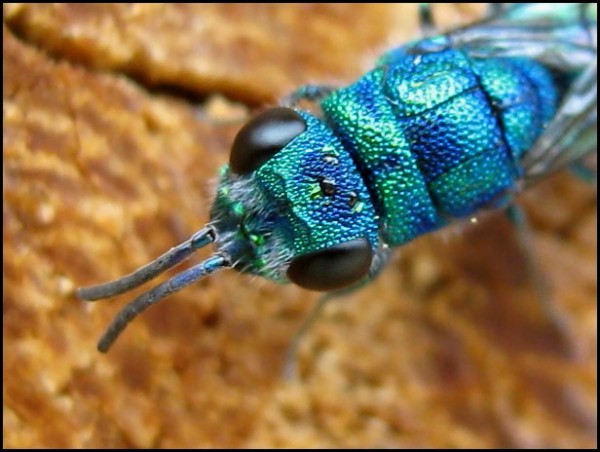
(214, 263)
(171, 258)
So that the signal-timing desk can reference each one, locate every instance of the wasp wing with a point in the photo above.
(562, 38)
(571, 135)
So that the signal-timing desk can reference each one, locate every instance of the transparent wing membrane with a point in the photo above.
(562, 37)
(571, 135)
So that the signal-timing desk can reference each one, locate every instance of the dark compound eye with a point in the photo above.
(263, 137)
(333, 268)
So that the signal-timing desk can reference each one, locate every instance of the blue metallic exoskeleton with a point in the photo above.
(440, 129)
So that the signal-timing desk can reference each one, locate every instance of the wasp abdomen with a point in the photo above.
(439, 135)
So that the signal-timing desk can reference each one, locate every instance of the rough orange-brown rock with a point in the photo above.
(109, 160)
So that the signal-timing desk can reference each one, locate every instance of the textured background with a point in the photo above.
(113, 133)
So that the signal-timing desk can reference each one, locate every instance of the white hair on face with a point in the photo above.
(277, 252)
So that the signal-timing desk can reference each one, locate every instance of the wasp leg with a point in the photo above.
(426, 20)
(496, 9)
(518, 218)
(311, 93)
(428, 29)
(290, 370)
(583, 172)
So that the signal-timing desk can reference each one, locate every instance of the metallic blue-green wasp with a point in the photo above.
(441, 129)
